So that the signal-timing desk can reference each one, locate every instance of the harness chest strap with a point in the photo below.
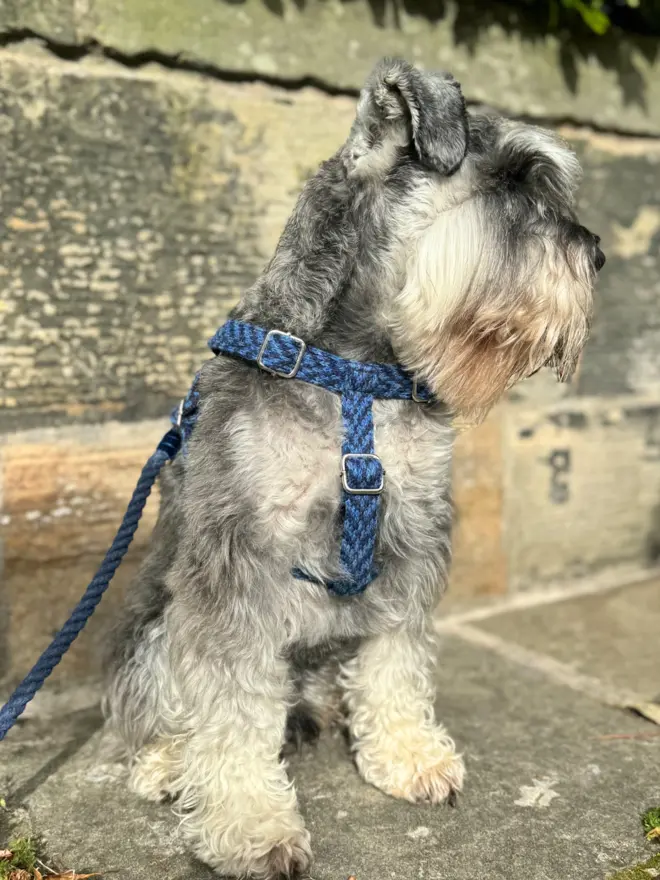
(358, 384)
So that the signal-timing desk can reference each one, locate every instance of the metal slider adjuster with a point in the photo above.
(264, 346)
(179, 414)
(351, 490)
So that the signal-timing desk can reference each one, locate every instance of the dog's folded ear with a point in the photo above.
(402, 107)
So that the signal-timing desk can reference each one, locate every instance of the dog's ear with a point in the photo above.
(402, 107)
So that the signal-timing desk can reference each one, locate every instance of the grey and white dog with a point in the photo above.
(437, 239)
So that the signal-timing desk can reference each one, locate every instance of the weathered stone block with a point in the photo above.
(64, 492)
(582, 488)
(620, 200)
(117, 270)
(39, 600)
(137, 208)
(54, 19)
(501, 57)
(479, 566)
(567, 489)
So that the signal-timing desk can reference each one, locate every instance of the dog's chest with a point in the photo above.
(297, 491)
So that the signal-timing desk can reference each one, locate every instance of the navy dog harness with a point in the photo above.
(362, 475)
(358, 384)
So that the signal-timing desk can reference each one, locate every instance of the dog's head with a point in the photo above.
(453, 233)
(498, 272)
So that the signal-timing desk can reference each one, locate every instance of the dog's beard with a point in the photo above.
(484, 306)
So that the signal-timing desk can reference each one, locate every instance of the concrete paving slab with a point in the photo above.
(614, 635)
(546, 797)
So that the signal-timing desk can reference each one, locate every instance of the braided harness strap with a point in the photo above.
(359, 384)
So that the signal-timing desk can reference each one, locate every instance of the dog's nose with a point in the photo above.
(599, 259)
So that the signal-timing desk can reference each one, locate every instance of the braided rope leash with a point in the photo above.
(15, 706)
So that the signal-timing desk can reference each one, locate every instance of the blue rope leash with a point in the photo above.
(11, 711)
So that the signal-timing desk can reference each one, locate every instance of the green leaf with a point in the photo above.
(651, 820)
(591, 13)
(596, 20)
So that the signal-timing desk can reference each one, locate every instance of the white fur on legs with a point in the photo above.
(156, 769)
(239, 809)
(398, 746)
(244, 821)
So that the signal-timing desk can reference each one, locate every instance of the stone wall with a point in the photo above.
(151, 153)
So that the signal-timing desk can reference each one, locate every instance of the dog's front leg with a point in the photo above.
(239, 808)
(398, 745)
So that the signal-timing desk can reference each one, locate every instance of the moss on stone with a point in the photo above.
(24, 857)
(643, 871)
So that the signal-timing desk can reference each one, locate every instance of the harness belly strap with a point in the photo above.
(358, 384)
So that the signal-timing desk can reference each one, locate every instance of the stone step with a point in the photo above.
(548, 793)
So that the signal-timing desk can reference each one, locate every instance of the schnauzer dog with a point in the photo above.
(435, 239)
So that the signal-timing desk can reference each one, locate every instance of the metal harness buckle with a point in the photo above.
(264, 346)
(179, 414)
(344, 475)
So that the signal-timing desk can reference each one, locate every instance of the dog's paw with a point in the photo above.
(422, 768)
(436, 784)
(289, 857)
(156, 770)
